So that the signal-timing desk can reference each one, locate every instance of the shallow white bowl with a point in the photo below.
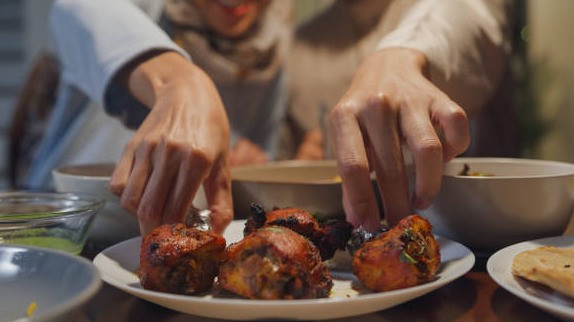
(58, 283)
(314, 186)
(524, 200)
(113, 224)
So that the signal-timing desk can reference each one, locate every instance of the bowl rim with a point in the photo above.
(93, 286)
(285, 164)
(92, 206)
(461, 160)
(58, 172)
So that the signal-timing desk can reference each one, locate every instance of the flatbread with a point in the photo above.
(548, 265)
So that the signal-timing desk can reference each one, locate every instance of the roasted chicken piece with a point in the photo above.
(275, 262)
(328, 236)
(404, 256)
(178, 259)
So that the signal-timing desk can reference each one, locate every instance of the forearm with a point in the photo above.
(95, 39)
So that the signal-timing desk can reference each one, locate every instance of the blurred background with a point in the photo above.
(543, 66)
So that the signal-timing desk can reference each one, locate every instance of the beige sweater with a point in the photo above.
(467, 43)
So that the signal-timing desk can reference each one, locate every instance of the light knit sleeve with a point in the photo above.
(466, 42)
(95, 39)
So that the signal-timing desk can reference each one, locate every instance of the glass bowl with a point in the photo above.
(59, 221)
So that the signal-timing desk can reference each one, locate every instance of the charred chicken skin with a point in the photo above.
(328, 236)
(272, 263)
(178, 259)
(406, 255)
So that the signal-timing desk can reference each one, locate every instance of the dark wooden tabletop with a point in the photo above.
(473, 297)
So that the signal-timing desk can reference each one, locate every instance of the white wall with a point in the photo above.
(551, 48)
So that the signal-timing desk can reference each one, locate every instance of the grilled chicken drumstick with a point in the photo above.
(328, 236)
(275, 262)
(178, 259)
(404, 256)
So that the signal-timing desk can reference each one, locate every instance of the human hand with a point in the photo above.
(391, 102)
(183, 142)
(312, 146)
(246, 152)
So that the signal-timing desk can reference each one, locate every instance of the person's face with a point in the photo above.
(231, 18)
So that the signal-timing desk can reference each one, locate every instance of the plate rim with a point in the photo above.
(505, 256)
(465, 263)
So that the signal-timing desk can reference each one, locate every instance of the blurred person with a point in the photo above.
(394, 78)
(201, 80)
(395, 96)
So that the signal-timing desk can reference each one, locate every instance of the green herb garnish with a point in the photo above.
(406, 258)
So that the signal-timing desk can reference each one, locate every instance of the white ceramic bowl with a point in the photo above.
(314, 186)
(113, 224)
(57, 284)
(524, 199)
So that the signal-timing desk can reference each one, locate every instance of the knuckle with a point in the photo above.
(457, 116)
(200, 159)
(428, 148)
(353, 167)
(343, 110)
(130, 204)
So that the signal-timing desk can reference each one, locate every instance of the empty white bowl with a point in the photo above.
(523, 199)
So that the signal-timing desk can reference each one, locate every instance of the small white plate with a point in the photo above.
(499, 266)
(118, 264)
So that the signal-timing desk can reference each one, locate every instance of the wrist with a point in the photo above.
(405, 58)
(153, 72)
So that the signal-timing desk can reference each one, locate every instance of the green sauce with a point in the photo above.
(47, 242)
(54, 238)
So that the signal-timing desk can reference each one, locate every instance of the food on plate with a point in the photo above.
(178, 259)
(466, 172)
(405, 256)
(275, 262)
(328, 235)
(548, 265)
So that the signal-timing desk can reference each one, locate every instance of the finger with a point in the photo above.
(151, 209)
(358, 197)
(186, 184)
(137, 179)
(381, 125)
(453, 122)
(218, 194)
(427, 152)
(122, 171)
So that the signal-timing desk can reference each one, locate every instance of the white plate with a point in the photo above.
(499, 267)
(118, 264)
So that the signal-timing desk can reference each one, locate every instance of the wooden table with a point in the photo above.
(473, 297)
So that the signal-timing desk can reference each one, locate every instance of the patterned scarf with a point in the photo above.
(256, 56)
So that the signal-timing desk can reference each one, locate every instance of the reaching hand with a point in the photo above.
(391, 102)
(183, 143)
